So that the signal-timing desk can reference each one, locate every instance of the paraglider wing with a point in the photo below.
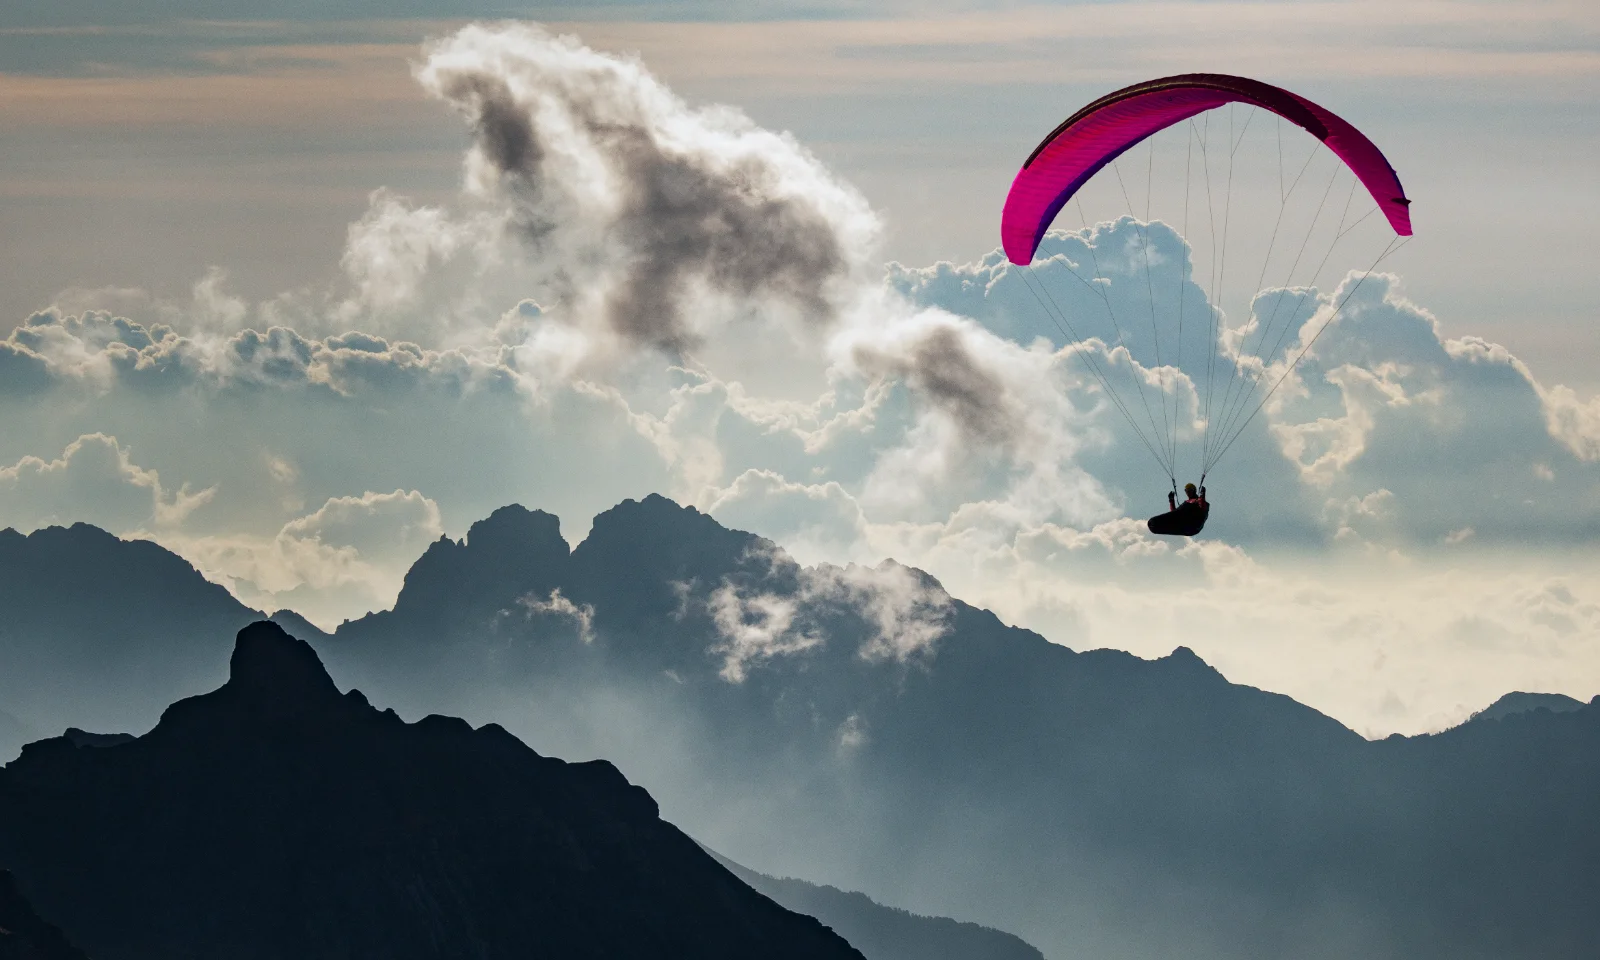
(1105, 129)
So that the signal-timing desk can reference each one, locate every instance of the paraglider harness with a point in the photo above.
(1182, 519)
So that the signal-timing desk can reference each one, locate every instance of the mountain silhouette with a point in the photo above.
(103, 633)
(1092, 802)
(23, 934)
(278, 818)
(885, 933)
(1514, 703)
(859, 727)
(83, 738)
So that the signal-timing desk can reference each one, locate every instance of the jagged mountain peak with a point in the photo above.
(273, 679)
(657, 538)
(515, 527)
(267, 662)
(1184, 658)
(511, 552)
(275, 818)
(656, 518)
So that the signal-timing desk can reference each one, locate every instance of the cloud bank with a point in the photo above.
(633, 294)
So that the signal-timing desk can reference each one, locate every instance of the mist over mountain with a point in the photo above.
(277, 817)
(860, 728)
(103, 633)
(885, 933)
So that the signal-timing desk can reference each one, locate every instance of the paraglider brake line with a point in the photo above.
(1117, 326)
(1052, 312)
(1233, 406)
(1388, 250)
(1167, 428)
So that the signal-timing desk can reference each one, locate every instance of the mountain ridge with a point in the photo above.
(278, 817)
(115, 628)
(887, 933)
(741, 670)
(1518, 702)
(860, 725)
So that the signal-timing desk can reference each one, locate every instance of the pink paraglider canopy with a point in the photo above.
(1105, 129)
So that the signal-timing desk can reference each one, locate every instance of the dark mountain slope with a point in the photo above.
(513, 552)
(859, 726)
(885, 933)
(277, 818)
(23, 935)
(990, 753)
(103, 633)
(1498, 822)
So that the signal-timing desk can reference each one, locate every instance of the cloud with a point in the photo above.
(94, 481)
(1455, 432)
(633, 203)
(580, 615)
(632, 293)
(908, 611)
(901, 614)
(385, 528)
(394, 257)
(755, 629)
(93, 353)
(939, 363)
(342, 560)
(1573, 421)
(812, 521)
(1382, 400)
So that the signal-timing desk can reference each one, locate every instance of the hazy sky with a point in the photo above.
(311, 283)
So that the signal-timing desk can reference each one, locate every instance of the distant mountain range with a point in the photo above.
(103, 633)
(278, 818)
(1513, 704)
(885, 933)
(860, 727)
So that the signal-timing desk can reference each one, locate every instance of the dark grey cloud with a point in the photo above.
(617, 184)
(500, 125)
(684, 221)
(941, 366)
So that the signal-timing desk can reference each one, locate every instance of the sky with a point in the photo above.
(293, 289)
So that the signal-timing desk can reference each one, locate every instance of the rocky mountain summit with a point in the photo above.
(276, 817)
